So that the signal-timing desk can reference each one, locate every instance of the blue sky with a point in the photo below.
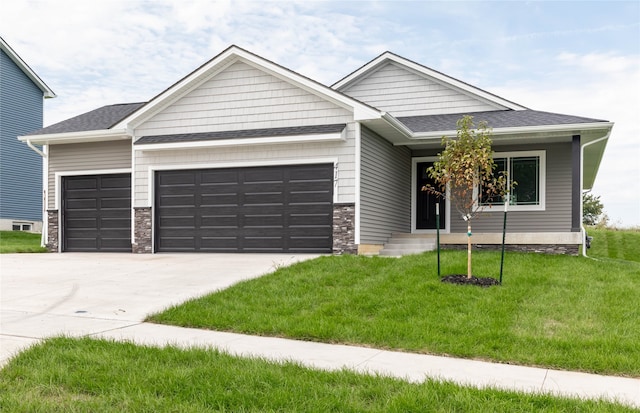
(579, 58)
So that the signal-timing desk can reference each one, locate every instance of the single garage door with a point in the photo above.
(255, 209)
(97, 213)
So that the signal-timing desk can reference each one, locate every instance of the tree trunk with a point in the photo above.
(469, 249)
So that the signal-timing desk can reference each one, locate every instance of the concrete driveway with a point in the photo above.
(77, 294)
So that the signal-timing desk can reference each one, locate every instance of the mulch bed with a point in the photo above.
(462, 279)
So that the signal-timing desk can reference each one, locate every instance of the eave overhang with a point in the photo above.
(77, 137)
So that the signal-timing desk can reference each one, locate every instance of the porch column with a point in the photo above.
(576, 191)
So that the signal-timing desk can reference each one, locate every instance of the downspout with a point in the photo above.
(45, 224)
(584, 230)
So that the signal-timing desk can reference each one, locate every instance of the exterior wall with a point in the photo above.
(557, 214)
(86, 157)
(402, 92)
(20, 167)
(342, 151)
(385, 189)
(243, 97)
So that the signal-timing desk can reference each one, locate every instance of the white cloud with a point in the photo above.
(603, 86)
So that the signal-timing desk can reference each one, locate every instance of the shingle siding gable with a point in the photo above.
(402, 92)
(243, 97)
(21, 105)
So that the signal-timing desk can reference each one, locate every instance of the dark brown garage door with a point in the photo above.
(257, 209)
(97, 213)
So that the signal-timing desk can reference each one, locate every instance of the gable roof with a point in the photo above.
(495, 119)
(46, 90)
(440, 77)
(226, 58)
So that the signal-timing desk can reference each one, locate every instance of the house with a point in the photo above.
(244, 155)
(21, 102)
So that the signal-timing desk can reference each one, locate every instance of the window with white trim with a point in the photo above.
(528, 170)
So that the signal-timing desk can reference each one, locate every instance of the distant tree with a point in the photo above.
(592, 209)
(466, 168)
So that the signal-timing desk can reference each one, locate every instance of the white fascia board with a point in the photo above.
(441, 77)
(327, 137)
(396, 124)
(46, 90)
(520, 130)
(76, 137)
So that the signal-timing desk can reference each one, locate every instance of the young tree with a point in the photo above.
(466, 169)
(592, 209)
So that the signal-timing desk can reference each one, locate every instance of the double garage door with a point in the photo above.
(255, 209)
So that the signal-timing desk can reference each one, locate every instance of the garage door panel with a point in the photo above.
(219, 221)
(79, 223)
(216, 200)
(178, 200)
(255, 209)
(97, 213)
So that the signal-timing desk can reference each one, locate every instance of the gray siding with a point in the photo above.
(86, 157)
(243, 97)
(402, 92)
(557, 215)
(20, 167)
(385, 189)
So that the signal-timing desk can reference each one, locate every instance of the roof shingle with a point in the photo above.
(97, 119)
(239, 134)
(495, 119)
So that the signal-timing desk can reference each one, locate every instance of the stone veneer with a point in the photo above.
(53, 230)
(344, 218)
(567, 249)
(142, 230)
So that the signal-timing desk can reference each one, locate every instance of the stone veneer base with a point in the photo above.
(142, 231)
(344, 218)
(53, 231)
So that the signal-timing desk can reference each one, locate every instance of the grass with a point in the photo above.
(18, 241)
(554, 311)
(618, 244)
(86, 375)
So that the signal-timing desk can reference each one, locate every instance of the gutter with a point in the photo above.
(45, 167)
(584, 231)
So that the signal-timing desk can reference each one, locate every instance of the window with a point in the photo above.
(17, 226)
(528, 170)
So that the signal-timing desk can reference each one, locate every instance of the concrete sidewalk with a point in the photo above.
(108, 296)
(407, 366)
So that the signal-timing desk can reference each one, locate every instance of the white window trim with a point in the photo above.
(447, 204)
(542, 154)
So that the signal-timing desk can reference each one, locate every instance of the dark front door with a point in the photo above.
(426, 201)
(255, 209)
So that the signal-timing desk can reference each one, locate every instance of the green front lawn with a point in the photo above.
(18, 241)
(85, 375)
(615, 244)
(555, 311)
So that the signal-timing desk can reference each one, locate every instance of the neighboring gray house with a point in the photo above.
(244, 155)
(21, 101)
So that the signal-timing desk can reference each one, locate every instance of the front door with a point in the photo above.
(425, 208)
